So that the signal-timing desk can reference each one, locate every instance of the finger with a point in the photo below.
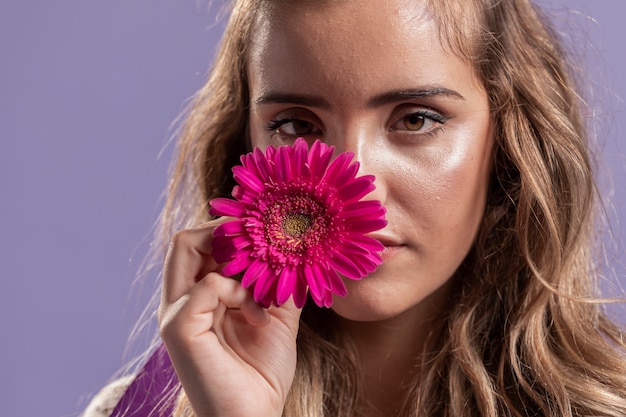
(253, 312)
(217, 294)
(289, 314)
(188, 259)
(197, 311)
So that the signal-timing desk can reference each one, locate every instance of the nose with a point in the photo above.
(365, 143)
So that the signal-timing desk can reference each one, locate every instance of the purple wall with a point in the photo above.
(88, 91)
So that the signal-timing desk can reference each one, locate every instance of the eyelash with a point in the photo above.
(274, 127)
(438, 118)
(425, 115)
(275, 124)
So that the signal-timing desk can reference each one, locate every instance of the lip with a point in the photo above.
(389, 252)
(391, 246)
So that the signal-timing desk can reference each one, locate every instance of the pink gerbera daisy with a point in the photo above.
(300, 223)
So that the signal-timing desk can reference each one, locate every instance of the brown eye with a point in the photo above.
(293, 127)
(414, 122)
(419, 122)
(298, 127)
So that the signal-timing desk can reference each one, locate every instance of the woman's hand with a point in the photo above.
(233, 357)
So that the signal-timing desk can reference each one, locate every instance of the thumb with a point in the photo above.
(288, 314)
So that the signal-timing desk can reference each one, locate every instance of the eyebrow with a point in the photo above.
(300, 99)
(375, 101)
(401, 95)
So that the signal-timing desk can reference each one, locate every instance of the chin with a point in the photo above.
(369, 306)
(367, 315)
(378, 299)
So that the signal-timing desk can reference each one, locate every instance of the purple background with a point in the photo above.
(88, 93)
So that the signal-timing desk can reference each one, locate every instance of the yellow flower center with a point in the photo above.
(296, 224)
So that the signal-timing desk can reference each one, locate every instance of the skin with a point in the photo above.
(374, 81)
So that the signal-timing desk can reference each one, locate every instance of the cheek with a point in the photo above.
(449, 187)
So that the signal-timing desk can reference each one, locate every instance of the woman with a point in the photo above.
(484, 304)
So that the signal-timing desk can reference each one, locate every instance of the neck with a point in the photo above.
(389, 353)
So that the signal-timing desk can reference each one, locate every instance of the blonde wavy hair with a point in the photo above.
(527, 335)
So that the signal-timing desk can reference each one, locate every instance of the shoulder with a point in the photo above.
(103, 403)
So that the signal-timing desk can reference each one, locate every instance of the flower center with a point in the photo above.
(296, 224)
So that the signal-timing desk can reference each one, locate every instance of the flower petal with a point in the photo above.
(299, 294)
(357, 189)
(366, 242)
(286, 285)
(270, 152)
(375, 259)
(257, 269)
(237, 265)
(232, 228)
(266, 281)
(245, 196)
(317, 300)
(319, 158)
(364, 209)
(226, 247)
(352, 249)
(299, 166)
(226, 207)
(239, 242)
(270, 295)
(347, 175)
(262, 166)
(345, 266)
(283, 164)
(315, 283)
(321, 275)
(327, 300)
(338, 165)
(336, 283)
(223, 249)
(246, 179)
(365, 225)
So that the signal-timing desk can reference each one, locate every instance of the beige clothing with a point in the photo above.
(104, 402)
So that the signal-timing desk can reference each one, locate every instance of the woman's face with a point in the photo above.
(376, 81)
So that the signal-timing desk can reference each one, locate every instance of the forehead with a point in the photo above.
(356, 48)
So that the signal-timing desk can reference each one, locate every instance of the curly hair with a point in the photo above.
(527, 335)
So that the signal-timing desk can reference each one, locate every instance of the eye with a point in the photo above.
(422, 121)
(414, 122)
(292, 127)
